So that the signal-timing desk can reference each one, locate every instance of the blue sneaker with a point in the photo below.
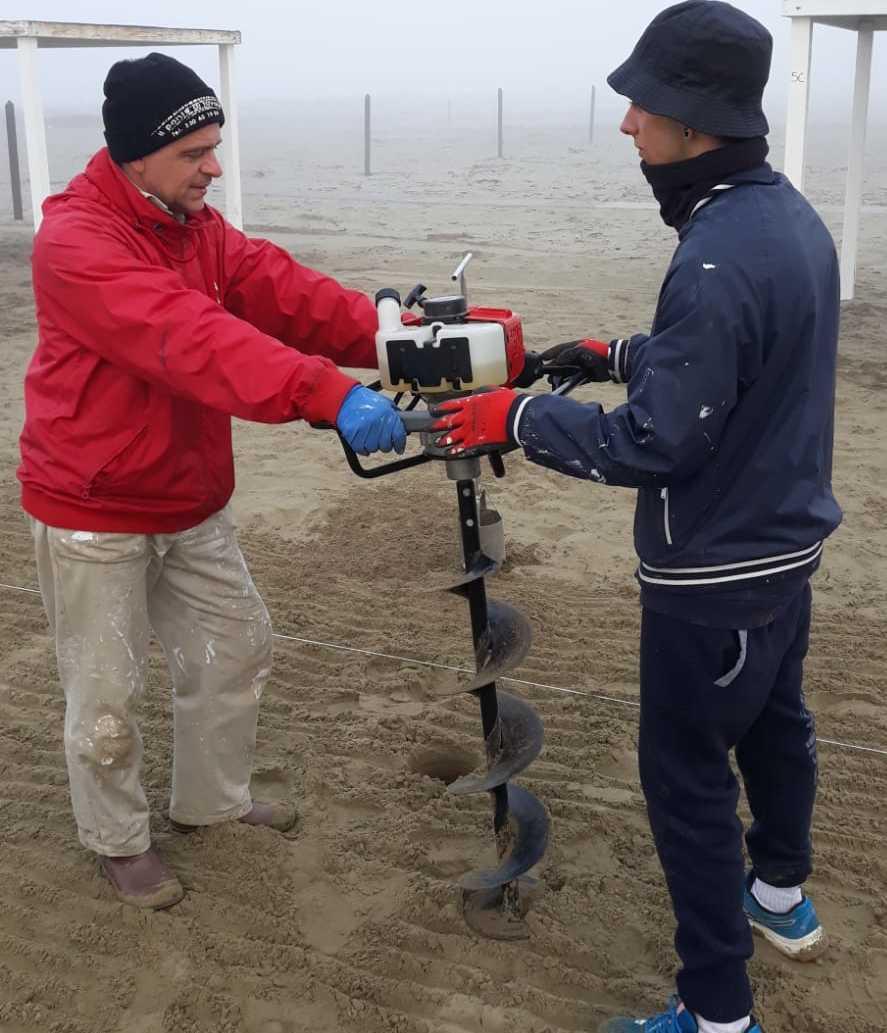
(798, 934)
(675, 1020)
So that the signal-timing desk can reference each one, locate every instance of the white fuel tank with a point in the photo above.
(439, 358)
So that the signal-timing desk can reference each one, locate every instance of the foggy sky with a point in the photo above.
(545, 55)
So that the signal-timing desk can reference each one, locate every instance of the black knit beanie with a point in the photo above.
(152, 101)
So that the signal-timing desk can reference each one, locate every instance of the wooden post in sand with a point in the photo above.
(865, 18)
(35, 128)
(798, 101)
(500, 122)
(15, 177)
(591, 117)
(856, 164)
(231, 139)
(366, 135)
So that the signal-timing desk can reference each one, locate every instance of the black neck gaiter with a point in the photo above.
(681, 185)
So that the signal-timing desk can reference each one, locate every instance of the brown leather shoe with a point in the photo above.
(279, 816)
(143, 880)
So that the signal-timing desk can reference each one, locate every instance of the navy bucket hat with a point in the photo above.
(703, 63)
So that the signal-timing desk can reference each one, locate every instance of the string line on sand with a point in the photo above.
(523, 681)
(466, 670)
(459, 670)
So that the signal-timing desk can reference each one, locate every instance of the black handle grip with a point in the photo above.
(570, 383)
(417, 420)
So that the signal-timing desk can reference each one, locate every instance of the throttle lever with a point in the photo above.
(415, 296)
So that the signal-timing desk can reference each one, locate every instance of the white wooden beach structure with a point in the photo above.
(28, 36)
(865, 18)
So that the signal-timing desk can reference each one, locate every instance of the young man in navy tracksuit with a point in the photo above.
(727, 435)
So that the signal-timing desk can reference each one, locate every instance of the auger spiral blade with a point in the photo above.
(494, 901)
(481, 566)
(501, 647)
(528, 829)
(514, 743)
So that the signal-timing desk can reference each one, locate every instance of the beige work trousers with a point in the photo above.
(103, 594)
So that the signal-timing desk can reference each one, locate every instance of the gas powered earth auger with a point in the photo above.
(449, 351)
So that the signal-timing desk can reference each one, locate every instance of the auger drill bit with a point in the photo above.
(450, 351)
(513, 733)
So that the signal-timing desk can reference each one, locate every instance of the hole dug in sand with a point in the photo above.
(443, 762)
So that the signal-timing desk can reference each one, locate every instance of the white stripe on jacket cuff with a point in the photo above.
(515, 428)
(617, 359)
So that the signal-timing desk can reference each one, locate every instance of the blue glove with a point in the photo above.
(369, 422)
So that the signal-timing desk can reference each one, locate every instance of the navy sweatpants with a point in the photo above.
(705, 691)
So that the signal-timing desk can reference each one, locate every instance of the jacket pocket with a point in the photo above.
(104, 473)
(666, 519)
(737, 668)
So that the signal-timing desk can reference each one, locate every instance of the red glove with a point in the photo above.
(600, 348)
(590, 356)
(476, 421)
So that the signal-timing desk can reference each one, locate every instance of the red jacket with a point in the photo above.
(152, 334)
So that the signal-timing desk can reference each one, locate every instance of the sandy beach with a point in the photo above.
(352, 923)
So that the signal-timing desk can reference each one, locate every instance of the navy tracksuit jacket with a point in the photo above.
(727, 431)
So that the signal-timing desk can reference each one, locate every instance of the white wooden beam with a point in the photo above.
(851, 24)
(35, 127)
(856, 164)
(231, 137)
(61, 34)
(834, 8)
(798, 101)
(855, 24)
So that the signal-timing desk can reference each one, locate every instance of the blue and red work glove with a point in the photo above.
(484, 420)
(370, 423)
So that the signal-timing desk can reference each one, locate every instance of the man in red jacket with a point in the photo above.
(158, 322)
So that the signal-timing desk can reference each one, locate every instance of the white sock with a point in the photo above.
(776, 898)
(740, 1026)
